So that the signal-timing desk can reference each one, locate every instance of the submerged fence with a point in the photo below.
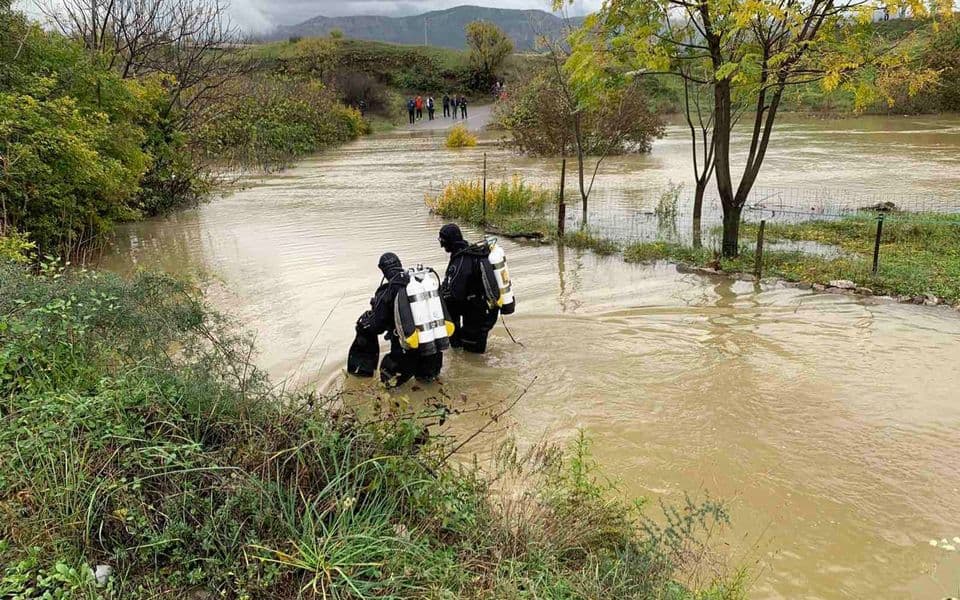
(861, 233)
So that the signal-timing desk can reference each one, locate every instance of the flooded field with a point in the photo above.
(828, 423)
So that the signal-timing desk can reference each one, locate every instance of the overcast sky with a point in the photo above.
(261, 14)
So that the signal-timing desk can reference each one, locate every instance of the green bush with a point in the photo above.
(276, 120)
(15, 247)
(71, 137)
(135, 433)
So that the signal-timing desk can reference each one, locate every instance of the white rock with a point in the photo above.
(949, 547)
(102, 573)
(933, 542)
(843, 284)
(956, 540)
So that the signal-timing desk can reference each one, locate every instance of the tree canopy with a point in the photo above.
(748, 52)
(489, 46)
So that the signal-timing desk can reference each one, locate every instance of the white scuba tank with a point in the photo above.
(498, 259)
(430, 329)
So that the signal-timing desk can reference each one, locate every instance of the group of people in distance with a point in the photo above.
(422, 316)
(452, 105)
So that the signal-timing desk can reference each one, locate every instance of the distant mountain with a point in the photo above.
(443, 27)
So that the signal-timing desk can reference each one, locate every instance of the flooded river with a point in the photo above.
(828, 423)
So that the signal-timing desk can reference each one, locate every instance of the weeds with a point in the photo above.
(135, 433)
(460, 137)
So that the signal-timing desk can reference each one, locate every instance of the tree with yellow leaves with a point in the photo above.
(747, 53)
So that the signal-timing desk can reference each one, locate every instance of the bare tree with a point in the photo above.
(188, 41)
(619, 116)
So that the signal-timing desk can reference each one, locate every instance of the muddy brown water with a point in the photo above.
(829, 424)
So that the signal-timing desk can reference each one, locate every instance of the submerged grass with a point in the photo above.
(919, 254)
(136, 433)
(508, 202)
(514, 208)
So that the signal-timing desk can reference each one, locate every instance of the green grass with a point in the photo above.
(136, 433)
(919, 254)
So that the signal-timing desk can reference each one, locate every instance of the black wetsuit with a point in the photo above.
(398, 365)
(466, 300)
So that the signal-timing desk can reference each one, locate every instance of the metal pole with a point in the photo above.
(562, 208)
(758, 269)
(484, 187)
(876, 245)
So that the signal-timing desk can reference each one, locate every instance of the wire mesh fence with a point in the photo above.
(852, 229)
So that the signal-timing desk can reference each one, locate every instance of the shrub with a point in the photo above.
(15, 246)
(276, 120)
(460, 137)
(463, 199)
(541, 122)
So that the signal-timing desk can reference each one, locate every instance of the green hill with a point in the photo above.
(438, 28)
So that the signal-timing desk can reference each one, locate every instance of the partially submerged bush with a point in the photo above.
(460, 137)
(463, 199)
(135, 433)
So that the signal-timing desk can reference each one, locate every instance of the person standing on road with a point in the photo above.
(419, 104)
(446, 106)
(430, 107)
(463, 107)
(411, 110)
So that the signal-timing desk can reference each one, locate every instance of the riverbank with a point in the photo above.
(128, 472)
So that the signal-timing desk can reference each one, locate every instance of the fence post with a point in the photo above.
(876, 244)
(758, 268)
(562, 207)
(484, 187)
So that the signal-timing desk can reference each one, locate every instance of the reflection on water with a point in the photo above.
(828, 422)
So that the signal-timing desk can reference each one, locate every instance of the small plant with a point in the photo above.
(667, 205)
(15, 246)
(460, 137)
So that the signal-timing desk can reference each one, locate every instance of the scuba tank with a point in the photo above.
(421, 317)
(498, 260)
(497, 287)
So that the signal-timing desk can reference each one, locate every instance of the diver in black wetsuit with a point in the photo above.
(399, 365)
(463, 291)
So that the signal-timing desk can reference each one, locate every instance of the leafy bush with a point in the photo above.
(15, 247)
(460, 137)
(541, 121)
(71, 134)
(134, 432)
(277, 120)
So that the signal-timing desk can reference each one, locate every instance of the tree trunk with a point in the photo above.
(721, 132)
(698, 212)
(731, 230)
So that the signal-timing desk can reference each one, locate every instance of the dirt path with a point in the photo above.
(478, 117)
